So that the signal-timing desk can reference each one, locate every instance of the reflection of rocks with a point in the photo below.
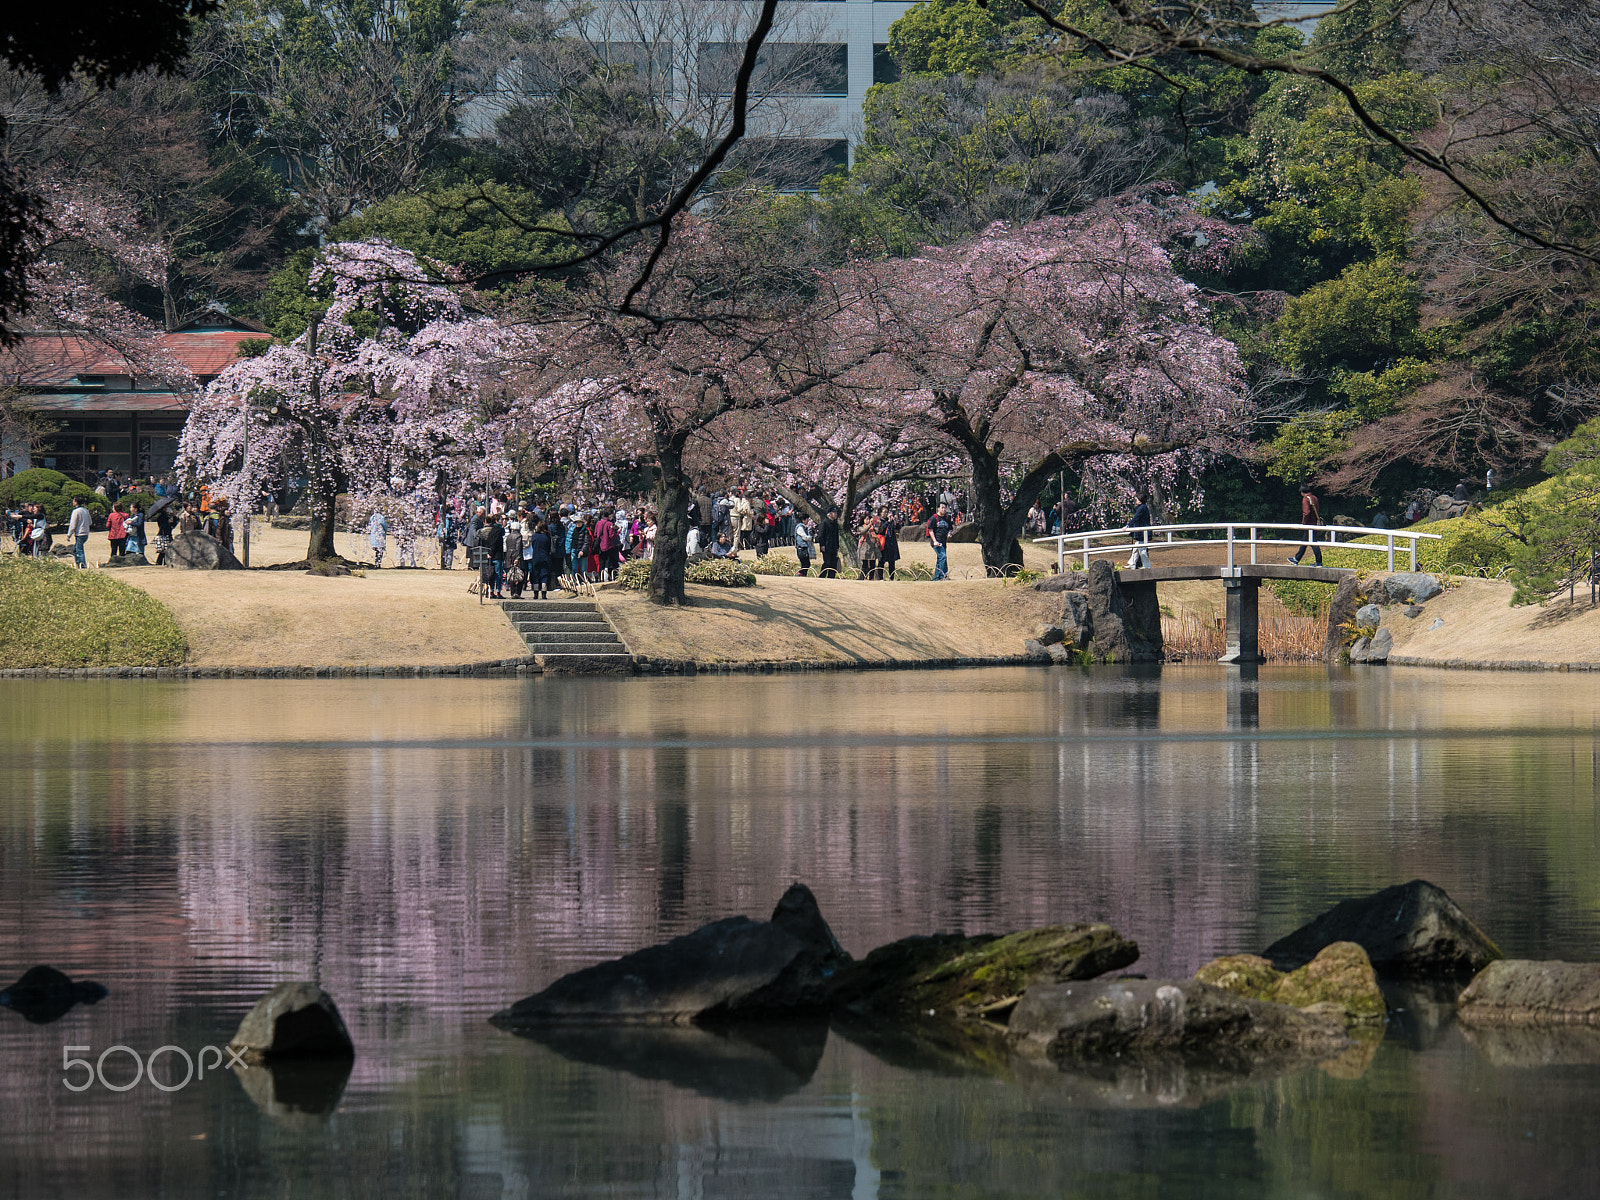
(1519, 992)
(1356, 1061)
(1421, 1011)
(732, 967)
(293, 1020)
(44, 994)
(1192, 1021)
(1341, 974)
(753, 1060)
(1411, 929)
(297, 1093)
(1535, 1045)
(955, 976)
(1153, 1081)
(942, 1047)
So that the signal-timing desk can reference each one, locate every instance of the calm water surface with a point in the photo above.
(433, 849)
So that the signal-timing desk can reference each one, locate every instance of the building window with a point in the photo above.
(782, 68)
(884, 67)
(572, 62)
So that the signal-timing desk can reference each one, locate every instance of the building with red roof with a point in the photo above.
(107, 416)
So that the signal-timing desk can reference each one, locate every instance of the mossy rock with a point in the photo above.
(952, 975)
(1341, 974)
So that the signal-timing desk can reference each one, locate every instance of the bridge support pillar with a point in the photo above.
(1244, 618)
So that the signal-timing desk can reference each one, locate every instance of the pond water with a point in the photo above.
(434, 849)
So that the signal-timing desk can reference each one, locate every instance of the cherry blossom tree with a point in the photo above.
(732, 330)
(1065, 344)
(390, 391)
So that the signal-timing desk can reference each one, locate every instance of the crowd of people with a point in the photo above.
(531, 546)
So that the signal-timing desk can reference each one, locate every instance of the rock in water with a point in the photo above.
(1114, 640)
(1035, 651)
(1342, 609)
(1341, 974)
(293, 1020)
(732, 967)
(1520, 992)
(1412, 929)
(951, 975)
(1186, 1019)
(200, 552)
(44, 994)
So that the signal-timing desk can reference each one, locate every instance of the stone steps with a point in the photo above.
(570, 637)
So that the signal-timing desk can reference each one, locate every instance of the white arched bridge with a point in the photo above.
(1238, 549)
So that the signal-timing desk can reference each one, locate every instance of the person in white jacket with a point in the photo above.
(78, 530)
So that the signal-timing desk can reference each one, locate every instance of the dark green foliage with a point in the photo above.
(57, 492)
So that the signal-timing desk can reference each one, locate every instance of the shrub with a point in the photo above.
(1026, 576)
(54, 615)
(1305, 597)
(139, 500)
(634, 575)
(57, 492)
(916, 572)
(720, 572)
(775, 564)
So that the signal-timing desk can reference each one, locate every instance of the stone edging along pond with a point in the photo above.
(1470, 664)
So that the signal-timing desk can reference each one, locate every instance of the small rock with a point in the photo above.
(1522, 992)
(1413, 611)
(732, 967)
(1438, 623)
(1381, 647)
(1358, 650)
(1340, 975)
(293, 1020)
(1035, 651)
(1052, 635)
(1401, 587)
(957, 976)
(1192, 1020)
(125, 560)
(1412, 929)
(1369, 616)
(44, 994)
(1062, 655)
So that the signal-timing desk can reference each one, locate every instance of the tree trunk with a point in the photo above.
(322, 509)
(672, 525)
(998, 525)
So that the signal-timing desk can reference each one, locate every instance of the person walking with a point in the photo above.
(538, 561)
(1310, 514)
(447, 540)
(493, 540)
(515, 574)
(939, 538)
(890, 554)
(78, 530)
(607, 543)
(117, 530)
(803, 545)
(1140, 520)
(867, 549)
(135, 529)
(828, 542)
(377, 535)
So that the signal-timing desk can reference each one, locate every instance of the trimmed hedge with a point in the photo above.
(54, 615)
(57, 492)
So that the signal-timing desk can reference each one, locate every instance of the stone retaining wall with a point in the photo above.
(1468, 664)
(501, 667)
(683, 666)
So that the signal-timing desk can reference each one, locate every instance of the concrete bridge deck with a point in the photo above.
(1178, 572)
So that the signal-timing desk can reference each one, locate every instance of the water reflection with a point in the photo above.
(432, 849)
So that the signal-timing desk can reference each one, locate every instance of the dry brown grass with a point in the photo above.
(1281, 637)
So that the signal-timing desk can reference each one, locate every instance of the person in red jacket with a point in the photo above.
(117, 529)
(607, 543)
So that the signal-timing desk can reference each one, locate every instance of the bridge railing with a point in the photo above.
(1235, 535)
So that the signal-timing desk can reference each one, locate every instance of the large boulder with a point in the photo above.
(1114, 640)
(1077, 620)
(1347, 599)
(950, 975)
(125, 560)
(1369, 616)
(1341, 974)
(1411, 929)
(965, 533)
(200, 552)
(1374, 650)
(1186, 1019)
(1406, 587)
(44, 994)
(293, 1020)
(1065, 581)
(729, 968)
(1521, 992)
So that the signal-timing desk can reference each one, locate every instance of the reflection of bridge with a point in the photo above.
(1215, 550)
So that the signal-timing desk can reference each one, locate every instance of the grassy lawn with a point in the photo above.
(54, 615)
